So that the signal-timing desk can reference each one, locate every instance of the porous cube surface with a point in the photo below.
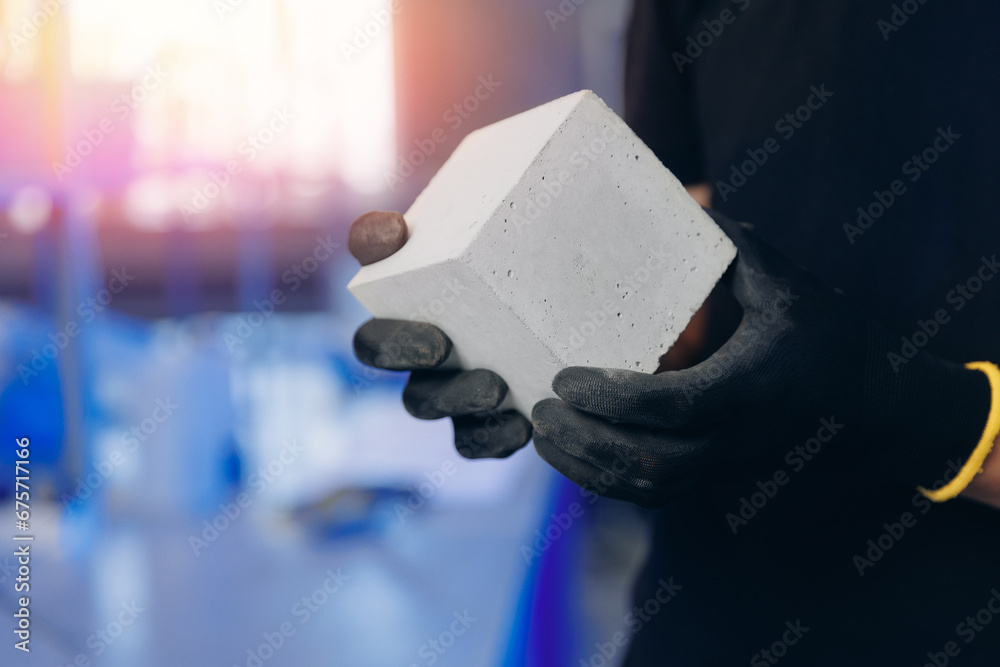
(553, 238)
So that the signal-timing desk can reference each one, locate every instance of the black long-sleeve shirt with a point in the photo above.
(860, 138)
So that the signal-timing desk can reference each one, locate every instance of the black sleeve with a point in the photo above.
(659, 98)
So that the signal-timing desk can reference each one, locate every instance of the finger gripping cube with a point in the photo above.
(553, 238)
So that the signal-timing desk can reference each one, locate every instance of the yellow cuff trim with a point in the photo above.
(975, 463)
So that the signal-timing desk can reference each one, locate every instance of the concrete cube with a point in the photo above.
(553, 238)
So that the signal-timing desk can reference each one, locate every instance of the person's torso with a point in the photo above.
(860, 140)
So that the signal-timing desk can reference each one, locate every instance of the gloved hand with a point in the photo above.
(801, 354)
(471, 398)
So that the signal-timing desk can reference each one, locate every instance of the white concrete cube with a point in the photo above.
(553, 238)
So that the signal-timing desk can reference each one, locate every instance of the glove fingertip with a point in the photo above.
(437, 394)
(495, 436)
(575, 383)
(597, 390)
(399, 345)
(545, 412)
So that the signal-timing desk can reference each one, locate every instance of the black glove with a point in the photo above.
(801, 354)
(470, 398)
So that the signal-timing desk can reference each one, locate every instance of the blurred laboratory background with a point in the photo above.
(215, 480)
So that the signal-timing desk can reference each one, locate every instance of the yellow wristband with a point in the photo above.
(975, 463)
